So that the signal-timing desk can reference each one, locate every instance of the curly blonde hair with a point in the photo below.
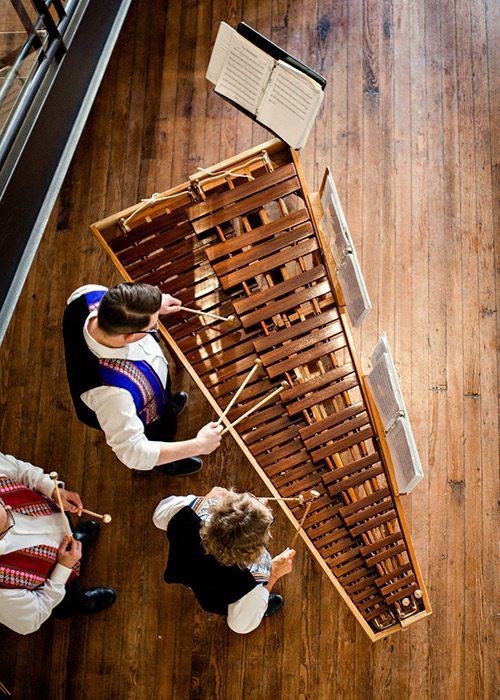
(237, 529)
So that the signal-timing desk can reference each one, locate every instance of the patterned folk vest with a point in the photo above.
(29, 567)
(86, 371)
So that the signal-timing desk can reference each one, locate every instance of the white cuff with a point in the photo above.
(60, 573)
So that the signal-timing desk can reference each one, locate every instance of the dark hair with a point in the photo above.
(237, 529)
(127, 308)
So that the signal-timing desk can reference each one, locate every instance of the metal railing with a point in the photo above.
(44, 22)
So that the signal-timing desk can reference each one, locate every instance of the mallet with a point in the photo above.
(229, 319)
(284, 385)
(256, 365)
(300, 498)
(54, 476)
(314, 495)
(106, 518)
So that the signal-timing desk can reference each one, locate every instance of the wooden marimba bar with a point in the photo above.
(242, 240)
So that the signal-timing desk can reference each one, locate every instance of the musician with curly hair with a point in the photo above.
(218, 548)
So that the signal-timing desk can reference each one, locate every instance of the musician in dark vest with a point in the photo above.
(38, 564)
(119, 381)
(218, 548)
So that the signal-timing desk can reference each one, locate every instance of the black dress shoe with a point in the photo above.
(87, 532)
(182, 467)
(78, 600)
(179, 402)
(94, 600)
(275, 603)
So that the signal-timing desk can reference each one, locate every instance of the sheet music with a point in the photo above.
(341, 245)
(404, 455)
(290, 104)
(353, 286)
(379, 349)
(328, 189)
(330, 201)
(244, 74)
(219, 52)
(384, 386)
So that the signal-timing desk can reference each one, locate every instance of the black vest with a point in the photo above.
(214, 585)
(83, 372)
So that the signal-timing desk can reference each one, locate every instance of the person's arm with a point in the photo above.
(281, 565)
(24, 611)
(168, 507)
(169, 304)
(124, 432)
(27, 474)
(36, 479)
(246, 614)
(206, 441)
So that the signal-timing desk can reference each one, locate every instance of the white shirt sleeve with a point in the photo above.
(27, 474)
(166, 509)
(246, 614)
(25, 611)
(123, 429)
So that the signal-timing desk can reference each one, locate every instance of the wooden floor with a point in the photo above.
(410, 127)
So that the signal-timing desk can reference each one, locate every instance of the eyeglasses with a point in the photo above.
(10, 518)
(153, 330)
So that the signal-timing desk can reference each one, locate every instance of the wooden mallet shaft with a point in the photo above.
(4, 690)
(54, 476)
(291, 498)
(105, 518)
(284, 385)
(206, 313)
(314, 495)
(256, 365)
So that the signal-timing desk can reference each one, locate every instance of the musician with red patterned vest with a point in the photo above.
(119, 380)
(38, 564)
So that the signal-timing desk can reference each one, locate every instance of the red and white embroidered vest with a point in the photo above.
(29, 567)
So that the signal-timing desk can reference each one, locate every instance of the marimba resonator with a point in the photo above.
(241, 239)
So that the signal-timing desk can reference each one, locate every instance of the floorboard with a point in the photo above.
(410, 128)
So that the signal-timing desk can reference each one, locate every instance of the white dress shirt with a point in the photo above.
(23, 610)
(246, 614)
(114, 406)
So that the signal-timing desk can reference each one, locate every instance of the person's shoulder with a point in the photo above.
(85, 289)
(7, 460)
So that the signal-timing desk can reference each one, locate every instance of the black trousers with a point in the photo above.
(165, 428)
(71, 602)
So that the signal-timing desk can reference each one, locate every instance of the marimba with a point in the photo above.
(242, 238)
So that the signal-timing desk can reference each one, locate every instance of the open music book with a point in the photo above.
(386, 391)
(350, 277)
(269, 85)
